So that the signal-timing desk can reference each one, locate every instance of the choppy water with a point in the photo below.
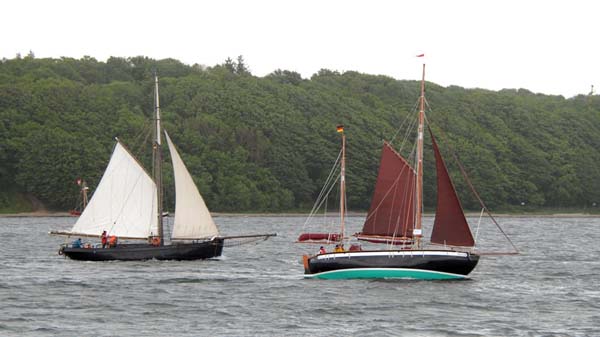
(551, 289)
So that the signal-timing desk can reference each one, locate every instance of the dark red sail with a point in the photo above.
(450, 226)
(392, 208)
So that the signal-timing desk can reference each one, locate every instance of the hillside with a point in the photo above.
(267, 143)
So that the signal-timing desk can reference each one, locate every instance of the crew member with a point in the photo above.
(112, 241)
(104, 239)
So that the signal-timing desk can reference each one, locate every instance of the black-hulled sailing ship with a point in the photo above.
(127, 204)
(395, 220)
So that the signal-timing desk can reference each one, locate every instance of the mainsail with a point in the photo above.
(124, 203)
(192, 218)
(392, 211)
(450, 226)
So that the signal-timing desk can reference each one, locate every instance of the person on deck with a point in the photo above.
(322, 250)
(355, 248)
(104, 239)
(112, 241)
(339, 249)
(77, 243)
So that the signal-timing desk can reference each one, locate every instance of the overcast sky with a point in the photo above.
(550, 47)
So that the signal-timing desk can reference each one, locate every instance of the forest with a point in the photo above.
(266, 144)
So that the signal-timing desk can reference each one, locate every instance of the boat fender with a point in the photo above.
(60, 251)
(305, 263)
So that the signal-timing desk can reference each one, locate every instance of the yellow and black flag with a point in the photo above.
(340, 128)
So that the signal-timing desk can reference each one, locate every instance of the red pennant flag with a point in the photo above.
(421, 55)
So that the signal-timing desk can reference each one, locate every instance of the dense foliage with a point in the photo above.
(267, 144)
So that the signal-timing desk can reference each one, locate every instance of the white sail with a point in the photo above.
(192, 218)
(124, 203)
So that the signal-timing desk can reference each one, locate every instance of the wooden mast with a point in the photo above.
(84, 196)
(157, 159)
(417, 233)
(343, 184)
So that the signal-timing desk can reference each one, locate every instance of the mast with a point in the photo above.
(157, 159)
(340, 129)
(84, 196)
(417, 232)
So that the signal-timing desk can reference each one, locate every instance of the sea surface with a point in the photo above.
(551, 289)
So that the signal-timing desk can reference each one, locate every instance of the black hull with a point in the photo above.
(140, 252)
(435, 264)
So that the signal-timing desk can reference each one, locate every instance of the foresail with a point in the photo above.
(124, 203)
(450, 226)
(392, 208)
(192, 218)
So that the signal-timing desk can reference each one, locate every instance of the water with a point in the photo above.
(551, 289)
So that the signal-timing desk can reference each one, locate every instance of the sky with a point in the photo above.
(549, 47)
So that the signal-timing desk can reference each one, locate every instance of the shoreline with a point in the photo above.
(47, 214)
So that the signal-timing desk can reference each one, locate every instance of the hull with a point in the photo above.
(140, 252)
(412, 264)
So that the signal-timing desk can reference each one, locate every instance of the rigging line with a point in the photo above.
(478, 224)
(322, 201)
(386, 194)
(411, 201)
(346, 216)
(130, 192)
(324, 214)
(411, 127)
(413, 189)
(391, 213)
(406, 197)
(473, 190)
(408, 114)
(328, 180)
(319, 201)
(146, 132)
(325, 186)
(331, 173)
(399, 218)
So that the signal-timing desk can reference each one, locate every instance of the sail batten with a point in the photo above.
(392, 210)
(192, 218)
(124, 203)
(450, 226)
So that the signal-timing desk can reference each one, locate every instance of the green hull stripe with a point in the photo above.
(407, 273)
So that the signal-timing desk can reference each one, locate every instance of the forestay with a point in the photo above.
(192, 218)
(124, 203)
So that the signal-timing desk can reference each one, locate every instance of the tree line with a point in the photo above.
(266, 144)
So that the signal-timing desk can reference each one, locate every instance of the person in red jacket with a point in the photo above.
(104, 239)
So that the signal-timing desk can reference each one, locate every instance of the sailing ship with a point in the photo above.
(82, 199)
(395, 220)
(127, 204)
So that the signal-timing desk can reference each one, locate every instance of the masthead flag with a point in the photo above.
(340, 128)
(421, 55)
